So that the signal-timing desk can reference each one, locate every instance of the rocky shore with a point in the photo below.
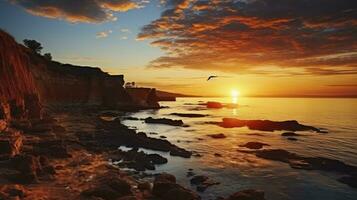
(58, 141)
(74, 155)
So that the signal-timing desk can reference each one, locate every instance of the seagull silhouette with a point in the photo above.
(211, 77)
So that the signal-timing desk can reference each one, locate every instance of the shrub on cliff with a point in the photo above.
(33, 45)
(47, 56)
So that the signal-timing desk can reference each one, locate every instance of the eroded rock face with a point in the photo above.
(18, 92)
(10, 143)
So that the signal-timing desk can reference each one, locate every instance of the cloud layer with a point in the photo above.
(88, 11)
(250, 36)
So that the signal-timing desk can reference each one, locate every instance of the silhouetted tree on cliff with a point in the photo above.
(47, 56)
(33, 45)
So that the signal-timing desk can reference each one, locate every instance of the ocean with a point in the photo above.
(237, 170)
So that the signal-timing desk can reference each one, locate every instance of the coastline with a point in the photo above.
(70, 154)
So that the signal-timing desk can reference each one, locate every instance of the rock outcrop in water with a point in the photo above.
(310, 163)
(265, 125)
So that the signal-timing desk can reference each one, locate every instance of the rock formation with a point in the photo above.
(28, 78)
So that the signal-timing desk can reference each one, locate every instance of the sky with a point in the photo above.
(285, 48)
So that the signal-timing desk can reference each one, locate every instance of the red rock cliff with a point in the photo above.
(27, 78)
(18, 94)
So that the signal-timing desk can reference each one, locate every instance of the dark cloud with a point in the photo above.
(88, 11)
(315, 36)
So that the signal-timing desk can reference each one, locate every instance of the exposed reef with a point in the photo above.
(310, 163)
(166, 121)
(190, 115)
(265, 125)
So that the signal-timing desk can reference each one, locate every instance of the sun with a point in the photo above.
(235, 93)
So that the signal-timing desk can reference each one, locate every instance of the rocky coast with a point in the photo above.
(60, 132)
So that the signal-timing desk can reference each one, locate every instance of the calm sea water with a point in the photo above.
(235, 170)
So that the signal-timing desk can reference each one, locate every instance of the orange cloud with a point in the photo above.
(243, 36)
(87, 11)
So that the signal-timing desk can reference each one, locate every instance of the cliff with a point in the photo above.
(28, 80)
(144, 96)
(19, 97)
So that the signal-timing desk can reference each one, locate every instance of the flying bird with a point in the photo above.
(211, 77)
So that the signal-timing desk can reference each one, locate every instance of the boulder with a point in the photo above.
(254, 145)
(265, 125)
(290, 134)
(349, 180)
(249, 194)
(166, 188)
(108, 188)
(165, 177)
(140, 161)
(177, 151)
(190, 115)
(166, 121)
(217, 136)
(202, 182)
(213, 104)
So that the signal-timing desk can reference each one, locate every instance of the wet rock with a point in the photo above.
(202, 182)
(213, 104)
(190, 173)
(144, 186)
(180, 193)
(165, 177)
(349, 180)
(10, 144)
(249, 194)
(163, 137)
(218, 155)
(116, 134)
(108, 188)
(254, 145)
(292, 139)
(166, 188)
(217, 136)
(198, 179)
(140, 161)
(290, 134)
(166, 121)
(180, 152)
(307, 163)
(265, 125)
(190, 115)
(109, 114)
(131, 118)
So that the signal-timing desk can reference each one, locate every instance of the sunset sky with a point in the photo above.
(258, 47)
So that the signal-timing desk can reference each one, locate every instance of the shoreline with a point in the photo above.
(66, 155)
